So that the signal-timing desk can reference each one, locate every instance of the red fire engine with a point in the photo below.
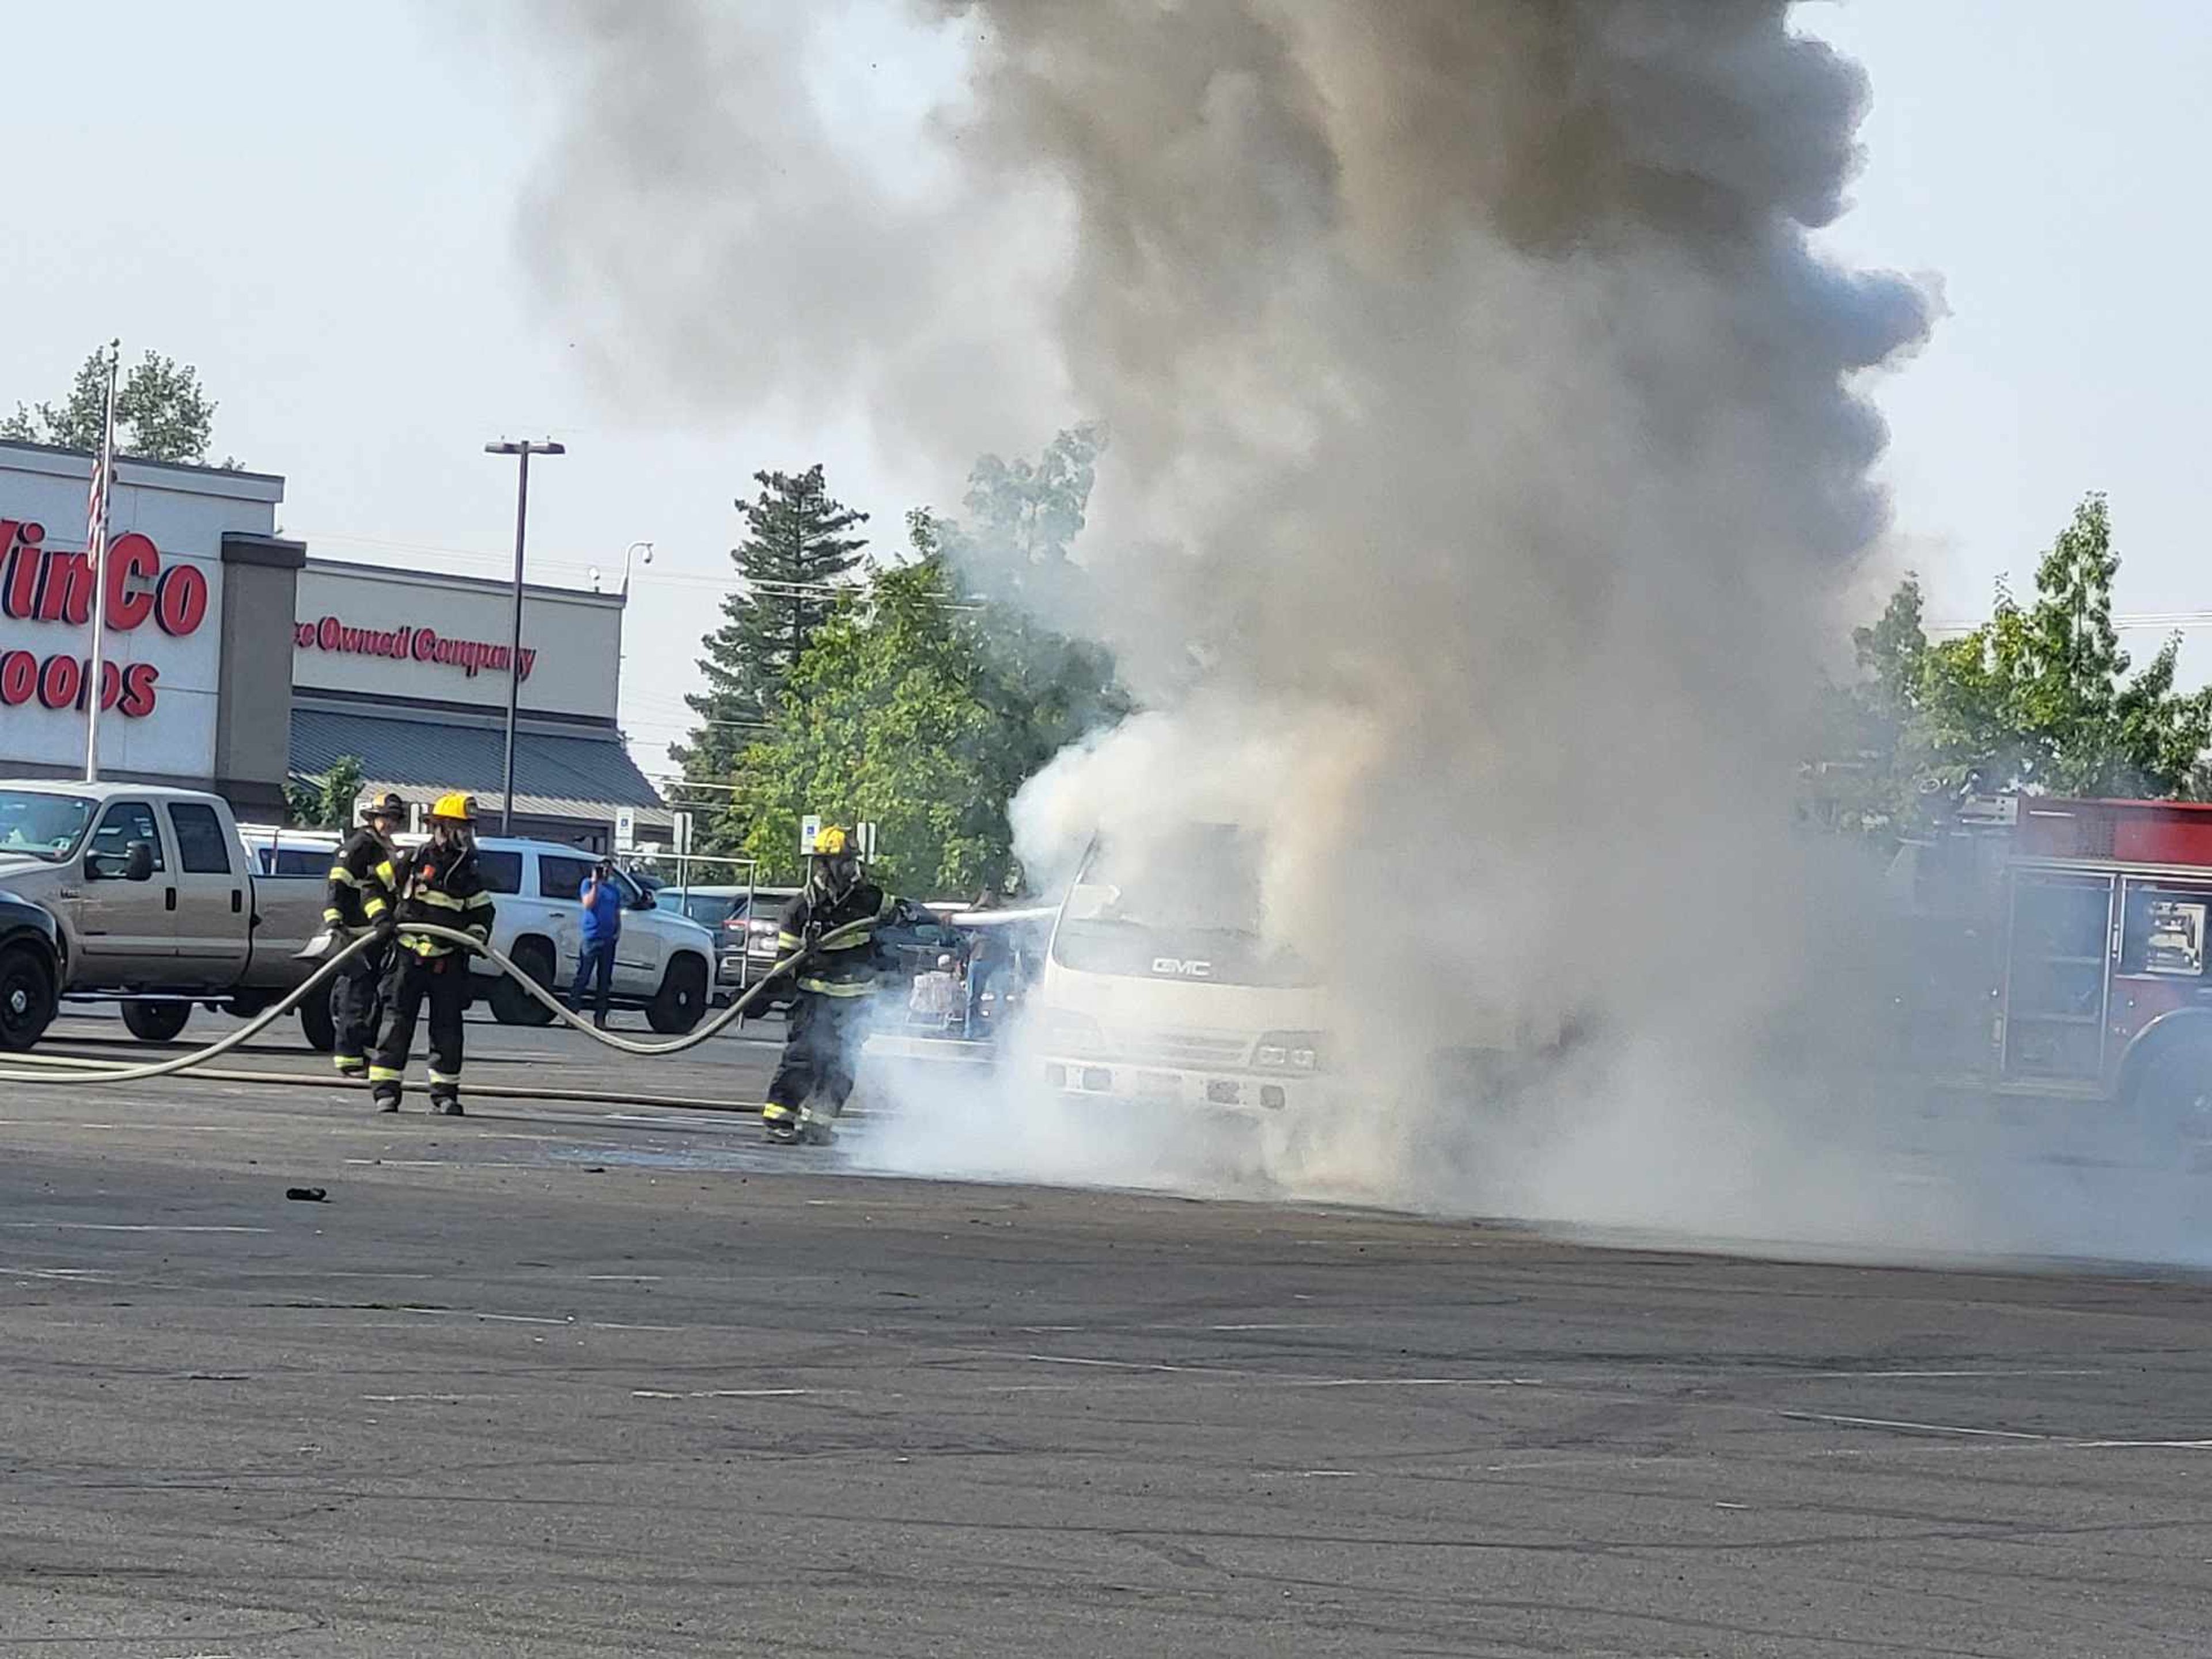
(2062, 952)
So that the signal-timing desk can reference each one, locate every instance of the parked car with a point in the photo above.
(30, 972)
(154, 901)
(743, 922)
(279, 852)
(722, 911)
(664, 963)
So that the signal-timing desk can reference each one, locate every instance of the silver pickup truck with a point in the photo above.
(155, 902)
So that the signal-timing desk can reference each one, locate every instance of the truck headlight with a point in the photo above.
(1288, 1051)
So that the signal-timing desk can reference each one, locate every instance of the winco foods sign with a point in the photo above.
(41, 587)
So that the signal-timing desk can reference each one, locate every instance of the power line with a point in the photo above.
(2170, 621)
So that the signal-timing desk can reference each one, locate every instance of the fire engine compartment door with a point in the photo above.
(2056, 983)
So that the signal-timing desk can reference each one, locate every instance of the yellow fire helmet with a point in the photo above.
(456, 808)
(831, 842)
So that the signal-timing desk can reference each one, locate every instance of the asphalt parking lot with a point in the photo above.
(566, 1378)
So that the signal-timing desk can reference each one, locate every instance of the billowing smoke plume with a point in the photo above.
(1487, 440)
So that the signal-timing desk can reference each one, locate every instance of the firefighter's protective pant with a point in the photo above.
(354, 996)
(412, 981)
(821, 1046)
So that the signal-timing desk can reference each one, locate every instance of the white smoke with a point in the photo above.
(1489, 441)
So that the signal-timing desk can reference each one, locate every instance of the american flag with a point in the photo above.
(95, 522)
(96, 553)
(95, 525)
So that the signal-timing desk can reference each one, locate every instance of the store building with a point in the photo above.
(235, 662)
(196, 691)
(407, 672)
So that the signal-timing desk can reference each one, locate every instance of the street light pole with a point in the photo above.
(633, 548)
(522, 452)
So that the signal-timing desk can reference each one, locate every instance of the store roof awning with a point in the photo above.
(555, 776)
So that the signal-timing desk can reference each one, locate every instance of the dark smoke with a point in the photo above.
(1489, 440)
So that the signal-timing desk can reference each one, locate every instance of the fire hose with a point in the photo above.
(71, 1069)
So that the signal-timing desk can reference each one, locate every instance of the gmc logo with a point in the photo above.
(1176, 967)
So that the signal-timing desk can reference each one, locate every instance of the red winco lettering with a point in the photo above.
(408, 644)
(39, 584)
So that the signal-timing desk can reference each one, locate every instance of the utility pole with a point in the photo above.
(522, 452)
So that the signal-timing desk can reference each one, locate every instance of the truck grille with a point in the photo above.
(1188, 1048)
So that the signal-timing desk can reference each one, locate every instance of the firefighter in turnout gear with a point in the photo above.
(834, 919)
(358, 900)
(438, 882)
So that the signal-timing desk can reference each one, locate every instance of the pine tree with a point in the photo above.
(798, 545)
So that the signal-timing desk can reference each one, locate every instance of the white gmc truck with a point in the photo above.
(156, 903)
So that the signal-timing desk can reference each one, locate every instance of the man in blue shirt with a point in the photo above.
(603, 906)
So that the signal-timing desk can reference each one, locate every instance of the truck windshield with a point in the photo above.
(41, 826)
(1188, 909)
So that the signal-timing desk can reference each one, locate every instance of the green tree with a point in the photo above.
(1024, 515)
(2038, 698)
(1867, 777)
(798, 548)
(1013, 551)
(922, 713)
(160, 413)
(326, 803)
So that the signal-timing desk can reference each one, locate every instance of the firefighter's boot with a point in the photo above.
(384, 1088)
(780, 1123)
(815, 1129)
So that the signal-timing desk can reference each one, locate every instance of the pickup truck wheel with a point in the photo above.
(681, 999)
(26, 997)
(318, 1024)
(513, 1005)
(155, 1022)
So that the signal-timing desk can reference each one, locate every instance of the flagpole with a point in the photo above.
(95, 543)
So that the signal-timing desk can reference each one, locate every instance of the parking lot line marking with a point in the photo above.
(124, 1227)
(437, 1164)
(438, 1399)
(1408, 1383)
(2024, 1370)
(503, 1318)
(1120, 1364)
(718, 1393)
(2142, 1445)
(2066, 1442)
(1276, 1380)
(1911, 1427)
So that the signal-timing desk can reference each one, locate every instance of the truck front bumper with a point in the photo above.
(1225, 1088)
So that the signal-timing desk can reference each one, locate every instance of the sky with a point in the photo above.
(317, 206)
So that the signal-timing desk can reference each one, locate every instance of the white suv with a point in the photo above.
(665, 963)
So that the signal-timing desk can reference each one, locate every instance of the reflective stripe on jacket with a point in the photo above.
(442, 885)
(848, 964)
(362, 882)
